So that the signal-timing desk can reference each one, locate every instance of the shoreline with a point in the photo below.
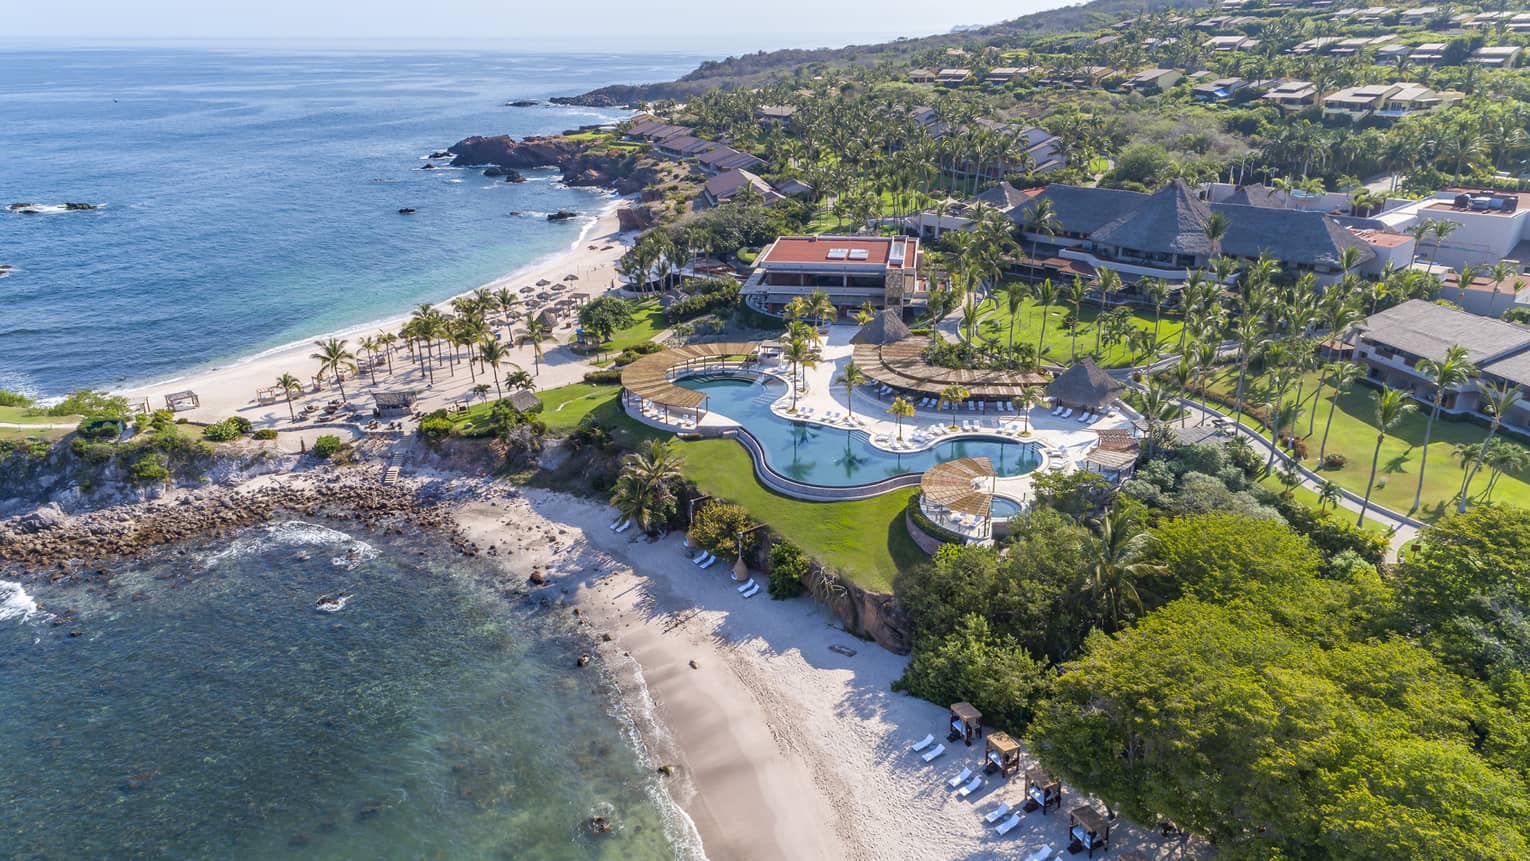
(229, 388)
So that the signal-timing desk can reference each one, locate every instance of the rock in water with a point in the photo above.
(408, 210)
(440, 153)
(523, 103)
(562, 215)
(509, 173)
(427, 166)
(77, 207)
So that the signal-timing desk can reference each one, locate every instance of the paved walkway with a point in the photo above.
(38, 426)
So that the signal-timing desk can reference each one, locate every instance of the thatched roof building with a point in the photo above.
(1085, 385)
(963, 485)
(885, 328)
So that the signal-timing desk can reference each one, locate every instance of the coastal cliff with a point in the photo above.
(582, 166)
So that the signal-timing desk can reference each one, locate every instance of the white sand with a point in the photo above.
(230, 390)
(784, 749)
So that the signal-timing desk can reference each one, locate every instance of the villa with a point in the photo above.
(722, 157)
(1292, 95)
(1502, 57)
(1386, 101)
(1152, 80)
(1219, 90)
(852, 270)
(725, 186)
(1392, 342)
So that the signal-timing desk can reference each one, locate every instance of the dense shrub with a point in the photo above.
(224, 431)
(436, 425)
(86, 402)
(706, 297)
(327, 446)
(716, 527)
(100, 428)
(788, 567)
(13, 399)
(150, 469)
(265, 433)
(603, 377)
(604, 316)
(973, 664)
(1334, 461)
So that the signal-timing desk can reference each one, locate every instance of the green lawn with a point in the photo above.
(864, 540)
(649, 322)
(1059, 338)
(18, 415)
(1354, 436)
(562, 408)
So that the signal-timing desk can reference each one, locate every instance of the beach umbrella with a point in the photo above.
(571, 277)
(527, 289)
(543, 282)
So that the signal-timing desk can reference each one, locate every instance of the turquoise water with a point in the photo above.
(831, 457)
(251, 198)
(208, 710)
(1005, 508)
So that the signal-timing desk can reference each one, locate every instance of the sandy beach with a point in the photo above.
(783, 747)
(231, 389)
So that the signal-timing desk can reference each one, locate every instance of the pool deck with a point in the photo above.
(1062, 443)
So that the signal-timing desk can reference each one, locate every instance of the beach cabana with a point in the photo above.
(395, 402)
(177, 401)
(966, 723)
(1085, 386)
(1002, 754)
(885, 328)
(1043, 791)
(524, 401)
(1087, 830)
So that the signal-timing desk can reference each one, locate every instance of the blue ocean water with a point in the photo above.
(251, 198)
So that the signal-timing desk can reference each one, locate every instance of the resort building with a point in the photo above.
(1219, 90)
(727, 185)
(1502, 57)
(852, 270)
(1385, 101)
(1161, 235)
(1221, 44)
(1152, 80)
(1391, 343)
(1491, 226)
(721, 157)
(1292, 95)
(775, 115)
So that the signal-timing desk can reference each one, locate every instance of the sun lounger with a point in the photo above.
(745, 587)
(1084, 419)
(923, 743)
(1007, 825)
(1065, 413)
(960, 778)
(710, 561)
(982, 405)
(1041, 854)
(615, 524)
(1057, 410)
(753, 591)
(702, 560)
(997, 813)
(971, 787)
(624, 527)
(937, 751)
(696, 560)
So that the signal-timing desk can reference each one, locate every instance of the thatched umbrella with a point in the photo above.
(543, 282)
(571, 277)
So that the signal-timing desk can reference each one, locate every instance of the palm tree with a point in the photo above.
(519, 380)
(1107, 282)
(289, 384)
(536, 332)
(1118, 557)
(1046, 297)
(1450, 372)
(1029, 398)
(386, 340)
(369, 345)
(491, 352)
(645, 490)
(1215, 229)
(800, 353)
(850, 376)
(1497, 398)
(1439, 229)
(1041, 219)
(1391, 406)
(334, 357)
(901, 409)
(1155, 290)
(953, 395)
(1158, 406)
(1342, 375)
(1073, 294)
(1251, 339)
(1328, 494)
(1015, 293)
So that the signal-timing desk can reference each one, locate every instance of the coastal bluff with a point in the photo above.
(581, 165)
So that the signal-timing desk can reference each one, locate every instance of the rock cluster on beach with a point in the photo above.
(580, 166)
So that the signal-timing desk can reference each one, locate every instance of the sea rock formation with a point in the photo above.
(509, 173)
(623, 172)
(561, 215)
(523, 103)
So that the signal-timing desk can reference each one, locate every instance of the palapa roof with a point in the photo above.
(901, 364)
(962, 485)
(648, 377)
(885, 328)
(523, 400)
(1040, 779)
(1001, 742)
(1172, 219)
(395, 400)
(1085, 384)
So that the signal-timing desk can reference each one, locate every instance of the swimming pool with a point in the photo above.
(1004, 508)
(838, 457)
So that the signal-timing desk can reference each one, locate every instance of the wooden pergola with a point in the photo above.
(966, 723)
(1002, 754)
(186, 400)
(650, 379)
(1088, 829)
(1042, 790)
(901, 365)
(963, 485)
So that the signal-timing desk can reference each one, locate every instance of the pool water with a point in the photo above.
(837, 457)
(1004, 508)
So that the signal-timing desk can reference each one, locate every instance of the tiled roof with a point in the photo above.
(1427, 330)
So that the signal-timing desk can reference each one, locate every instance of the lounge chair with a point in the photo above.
(705, 557)
(982, 405)
(753, 591)
(1040, 854)
(616, 523)
(971, 787)
(745, 587)
(960, 778)
(937, 751)
(923, 743)
(998, 813)
(1065, 413)
(1084, 419)
(696, 560)
(709, 563)
(624, 527)
(1007, 825)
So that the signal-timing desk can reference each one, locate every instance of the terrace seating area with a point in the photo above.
(958, 495)
(900, 366)
(648, 384)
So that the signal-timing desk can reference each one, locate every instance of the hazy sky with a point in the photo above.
(688, 25)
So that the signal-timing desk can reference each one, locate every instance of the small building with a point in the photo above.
(525, 401)
(721, 157)
(1002, 75)
(1292, 95)
(1085, 386)
(1357, 103)
(729, 184)
(395, 402)
(1500, 57)
(1223, 44)
(1087, 830)
(1392, 55)
(1152, 80)
(966, 723)
(1428, 54)
(1219, 90)
(953, 77)
(921, 76)
(1417, 16)
(853, 270)
(682, 146)
(775, 115)
(184, 400)
(795, 188)
(1001, 754)
(1042, 792)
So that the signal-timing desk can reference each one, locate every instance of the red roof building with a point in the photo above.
(853, 270)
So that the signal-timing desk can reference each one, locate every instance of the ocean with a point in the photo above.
(249, 199)
(202, 707)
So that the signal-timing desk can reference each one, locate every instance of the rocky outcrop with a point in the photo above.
(44, 519)
(561, 215)
(634, 218)
(509, 173)
(506, 151)
(523, 103)
(873, 615)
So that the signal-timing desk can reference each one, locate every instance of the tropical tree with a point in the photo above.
(1328, 495)
(1029, 398)
(1391, 406)
(901, 409)
(1041, 220)
(1119, 558)
(520, 380)
(1046, 296)
(536, 332)
(1155, 290)
(1497, 399)
(1107, 282)
(289, 385)
(646, 490)
(1015, 294)
(953, 395)
(491, 352)
(1215, 229)
(800, 353)
(1073, 294)
(334, 357)
(850, 376)
(1451, 371)
(1341, 376)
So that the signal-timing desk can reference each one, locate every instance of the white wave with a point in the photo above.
(297, 533)
(454, 180)
(48, 208)
(333, 605)
(15, 603)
